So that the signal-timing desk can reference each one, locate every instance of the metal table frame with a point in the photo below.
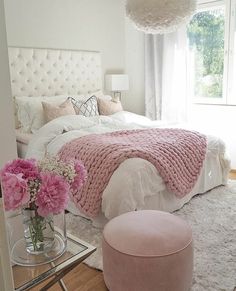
(59, 271)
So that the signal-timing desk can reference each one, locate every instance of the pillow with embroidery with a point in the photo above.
(29, 111)
(86, 108)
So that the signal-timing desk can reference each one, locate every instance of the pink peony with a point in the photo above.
(81, 175)
(53, 194)
(15, 191)
(28, 168)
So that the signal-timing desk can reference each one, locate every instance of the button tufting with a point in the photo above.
(77, 70)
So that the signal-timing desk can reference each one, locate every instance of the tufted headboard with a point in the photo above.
(50, 72)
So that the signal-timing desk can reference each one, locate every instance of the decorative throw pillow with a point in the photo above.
(86, 108)
(53, 111)
(108, 107)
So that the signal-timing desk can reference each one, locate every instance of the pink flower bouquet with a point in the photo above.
(42, 187)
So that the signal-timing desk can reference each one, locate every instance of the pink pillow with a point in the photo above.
(108, 107)
(53, 111)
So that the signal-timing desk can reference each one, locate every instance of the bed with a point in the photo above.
(136, 184)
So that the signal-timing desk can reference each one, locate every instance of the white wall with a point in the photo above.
(8, 143)
(69, 24)
(134, 59)
(220, 121)
(7, 148)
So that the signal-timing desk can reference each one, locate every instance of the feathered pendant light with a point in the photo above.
(159, 16)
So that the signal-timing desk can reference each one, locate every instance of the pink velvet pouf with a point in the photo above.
(147, 250)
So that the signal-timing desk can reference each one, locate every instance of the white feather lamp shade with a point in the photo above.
(159, 16)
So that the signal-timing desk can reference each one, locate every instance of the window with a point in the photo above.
(211, 38)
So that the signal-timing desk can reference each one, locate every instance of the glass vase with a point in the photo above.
(38, 232)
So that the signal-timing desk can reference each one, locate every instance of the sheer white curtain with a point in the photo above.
(166, 80)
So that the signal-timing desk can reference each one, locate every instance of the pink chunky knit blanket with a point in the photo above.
(177, 154)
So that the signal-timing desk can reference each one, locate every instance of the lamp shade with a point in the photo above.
(158, 16)
(117, 82)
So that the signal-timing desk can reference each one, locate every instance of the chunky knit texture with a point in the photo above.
(177, 154)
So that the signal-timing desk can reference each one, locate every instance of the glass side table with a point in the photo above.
(26, 278)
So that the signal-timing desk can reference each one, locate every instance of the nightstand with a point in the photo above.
(26, 278)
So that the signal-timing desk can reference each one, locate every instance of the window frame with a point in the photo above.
(231, 99)
(229, 39)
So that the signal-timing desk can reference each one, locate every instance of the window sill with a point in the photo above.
(214, 104)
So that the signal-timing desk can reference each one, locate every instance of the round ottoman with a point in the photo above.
(147, 250)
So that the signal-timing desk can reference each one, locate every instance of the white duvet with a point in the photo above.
(136, 184)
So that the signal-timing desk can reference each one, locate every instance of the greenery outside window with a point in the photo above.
(211, 38)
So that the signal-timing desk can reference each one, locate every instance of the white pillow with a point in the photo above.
(30, 111)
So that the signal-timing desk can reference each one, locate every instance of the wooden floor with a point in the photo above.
(81, 278)
(232, 175)
(84, 278)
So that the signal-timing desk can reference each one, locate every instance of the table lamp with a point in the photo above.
(117, 83)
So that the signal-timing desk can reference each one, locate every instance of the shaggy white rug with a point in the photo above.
(213, 220)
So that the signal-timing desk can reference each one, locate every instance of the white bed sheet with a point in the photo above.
(22, 136)
(142, 187)
(21, 149)
(22, 141)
